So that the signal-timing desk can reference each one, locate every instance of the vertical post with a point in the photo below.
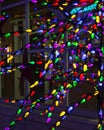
(46, 83)
(27, 38)
(66, 64)
(27, 20)
(16, 59)
(100, 97)
(0, 59)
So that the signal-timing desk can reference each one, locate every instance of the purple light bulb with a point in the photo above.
(7, 128)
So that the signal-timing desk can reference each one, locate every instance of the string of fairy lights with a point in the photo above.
(81, 58)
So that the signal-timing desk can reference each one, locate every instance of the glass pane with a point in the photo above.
(11, 42)
(9, 2)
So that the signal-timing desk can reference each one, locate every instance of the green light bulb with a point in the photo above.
(32, 106)
(49, 114)
(74, 83)
(62, 36)
(101, 78)
(35, 38)
(83, 101)
(19, 111)
(92, 36)
(32, 62)
(44, 3)
(53, 128)
(56, 60)
(12, 123)
(7, 35)
(102, 49)
(75, 43)
(69, 44)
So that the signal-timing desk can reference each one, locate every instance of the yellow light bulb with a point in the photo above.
(87, 79)
(26, 114)
(9, 71)
(53, 92)
(74, 65)
(10, 58)
(73, 16)
(96, 93)
(65, 4)
(88, 53)
(34, 103)
(14, 69)
(76, 31)
(48, 20)
(97, 19)
(57, 103)
(33, 85)
(71, 27)
(99, 72)
(62, 113)
(58, 123)
(13, 101)
(85, 68)
(52, 26)
(46, 111)
(61, 8)
(90, 32)
(47, 64)
(68, 86)
(28, 30)
(99, 125)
